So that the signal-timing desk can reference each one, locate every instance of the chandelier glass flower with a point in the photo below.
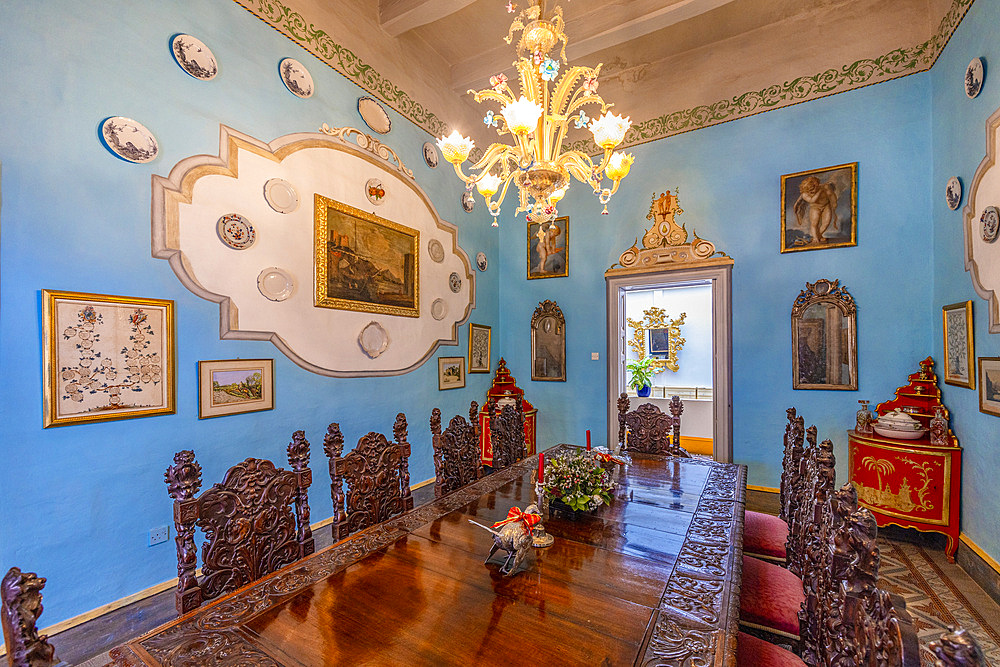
(551, 96)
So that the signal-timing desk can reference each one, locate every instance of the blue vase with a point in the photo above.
(643, 391)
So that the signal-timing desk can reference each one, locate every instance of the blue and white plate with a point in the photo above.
(129, 139)
(989, 223)
(296, 78)
(194, 57)
(953, 193)
(974, 77)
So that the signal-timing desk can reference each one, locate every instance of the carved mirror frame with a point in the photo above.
(548, 342)
(843, 345)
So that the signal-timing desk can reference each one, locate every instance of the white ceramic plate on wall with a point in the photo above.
(129, 139)
(275, 284)
(296, 78)
(374, 115)
(194, 57)
(280, 195)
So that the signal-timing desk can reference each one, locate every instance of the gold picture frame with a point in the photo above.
(106, 357)
(548, 256)
(480, 348)
(364, 262)
(451, 373)
(234, 386)
(989, 385)
(959, 347)
(820, 202)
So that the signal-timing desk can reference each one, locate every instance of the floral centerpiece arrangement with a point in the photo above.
(577, 479)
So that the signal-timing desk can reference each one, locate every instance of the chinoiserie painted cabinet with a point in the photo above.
(504, 391)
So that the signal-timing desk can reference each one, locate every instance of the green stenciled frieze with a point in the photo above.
(317, 42)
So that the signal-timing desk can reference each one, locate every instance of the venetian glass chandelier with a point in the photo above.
(552, 95)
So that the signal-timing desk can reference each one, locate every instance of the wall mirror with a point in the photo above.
(548, 343)
(824, 338)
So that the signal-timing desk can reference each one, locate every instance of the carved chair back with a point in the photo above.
(457, 460)
(506, 433)
(651, 431)
(377, 475)
(955, 648)
(248, 521)
(20, 607)
(790, 464)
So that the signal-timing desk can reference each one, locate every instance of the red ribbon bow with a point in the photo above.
(604, 456)
(515, 514)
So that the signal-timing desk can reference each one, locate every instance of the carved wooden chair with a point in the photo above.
(377, 473)
(249, 526)
(457, 459)
(506, 433)
(651, 431)
(956, 648)
(20, 607)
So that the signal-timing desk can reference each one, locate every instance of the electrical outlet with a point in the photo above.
(158, 535)
(594, 356)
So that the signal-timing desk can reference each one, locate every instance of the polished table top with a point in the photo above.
(651, 579)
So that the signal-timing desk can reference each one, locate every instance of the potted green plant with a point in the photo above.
(575, 482)
(642, 376)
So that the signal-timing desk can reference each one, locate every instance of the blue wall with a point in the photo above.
(76, 502)
(959, 130)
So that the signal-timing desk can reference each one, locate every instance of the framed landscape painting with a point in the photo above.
(819, 208)
(106, 357)
(235, 386)
(548, 249)
(451, 372)
(364, 262)
(479, 348)
(989, 385)
(959, 364)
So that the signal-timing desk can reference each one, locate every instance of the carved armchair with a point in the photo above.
(248, 522)
(377, 474)
(20, 607)
(457, 459)
(650, 430)
(506, 434)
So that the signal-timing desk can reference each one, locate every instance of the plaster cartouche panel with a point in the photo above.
(200, 189)
(982, 258)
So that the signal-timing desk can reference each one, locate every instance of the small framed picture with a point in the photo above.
(451, 372)
(989, 385)
(819, 208)
(479, 348)
(548, 249)
(235, 386)
(959, 351)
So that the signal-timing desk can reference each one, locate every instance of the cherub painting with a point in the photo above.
(819, 208)
(548, 249)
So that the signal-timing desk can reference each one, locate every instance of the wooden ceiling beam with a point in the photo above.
(399, 16)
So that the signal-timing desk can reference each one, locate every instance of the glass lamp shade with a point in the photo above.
(609, 130)
(488, 185)
(522, 116)
(455, 148)
(618, 165)
(556, 196)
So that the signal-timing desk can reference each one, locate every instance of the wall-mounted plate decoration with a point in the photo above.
(375, 191)
(296, 77)
(455, 282)
(989, 223)
(468, 203)
(439, 309)
(974, 77)
(236, 231)
(280, 195)
(275, 284)
(953, 193)
(374, 115)
(129, 139)
(481, 262)
(431, 154)
(194, 57)
(373, 339)
(435, 250)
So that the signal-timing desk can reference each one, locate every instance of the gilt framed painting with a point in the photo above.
(235, 386)
(106, 357)
(364, 262)
(819, 208)
(548, 249)
(959, 349)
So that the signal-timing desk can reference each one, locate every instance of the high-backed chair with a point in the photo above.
(20, 607)
(956, 648)
(457, 459)
(506, 434)
(377, 474)
(651, 431)
(248, 521)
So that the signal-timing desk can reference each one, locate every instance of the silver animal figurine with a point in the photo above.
(513, 537)
(957, 648)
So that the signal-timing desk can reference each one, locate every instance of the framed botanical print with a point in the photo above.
(106, 357)
(451, 373)
(364, 262)
(959, 351)
(989, 385)
(479, 348)
(234, 386)
(819, 208)
(548, 249)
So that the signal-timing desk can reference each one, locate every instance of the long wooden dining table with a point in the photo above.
(653, 578)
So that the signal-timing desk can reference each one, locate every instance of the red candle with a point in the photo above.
(588, 439)
(541, 467)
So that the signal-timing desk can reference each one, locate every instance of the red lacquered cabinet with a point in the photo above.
(504, 390)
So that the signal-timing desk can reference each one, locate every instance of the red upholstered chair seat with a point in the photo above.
(755, 652)
(770, 597)
(764, 536)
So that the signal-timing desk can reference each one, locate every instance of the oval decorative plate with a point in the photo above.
(455, 282)
(194, 57)
(431, 154)
(375, 191)
(236, 231)
(280, 195)
(481, 262)
(275, 284)
(468, 203)
(373, 339)
(374, 115)
(990, 223)
(953, 192)
(974, 76)
(296, 77)
(129, 139)
(435, 250)
(439, 309)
